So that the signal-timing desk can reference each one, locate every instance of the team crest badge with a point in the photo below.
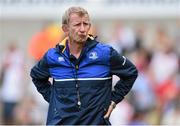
(93, 55)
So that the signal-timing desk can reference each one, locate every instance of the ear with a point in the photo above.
(65, 28)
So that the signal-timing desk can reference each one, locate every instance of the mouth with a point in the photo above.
(82, 38)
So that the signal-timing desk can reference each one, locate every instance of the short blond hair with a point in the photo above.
(79, 10)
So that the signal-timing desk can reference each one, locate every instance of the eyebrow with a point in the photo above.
(76, 22)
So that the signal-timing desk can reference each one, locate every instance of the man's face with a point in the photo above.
(78, 28)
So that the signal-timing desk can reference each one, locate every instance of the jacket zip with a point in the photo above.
(77, 87)
(76, 84)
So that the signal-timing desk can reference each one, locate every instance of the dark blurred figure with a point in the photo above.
(11, 89)
(142, 97)
(138, 118)
(171, 113)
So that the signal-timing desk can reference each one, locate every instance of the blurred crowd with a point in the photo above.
(155, 96)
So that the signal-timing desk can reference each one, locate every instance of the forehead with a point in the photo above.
(78, 17)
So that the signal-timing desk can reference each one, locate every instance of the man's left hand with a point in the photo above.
(110, 109)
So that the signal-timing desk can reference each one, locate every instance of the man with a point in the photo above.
(82, 69)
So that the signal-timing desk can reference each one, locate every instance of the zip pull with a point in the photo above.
(79, 104)
(77, 67)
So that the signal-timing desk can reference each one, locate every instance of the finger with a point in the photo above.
(107, 115)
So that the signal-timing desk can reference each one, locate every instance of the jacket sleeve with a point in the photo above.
(126, 71)
(40, 77)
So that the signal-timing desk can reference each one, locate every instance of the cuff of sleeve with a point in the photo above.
(117, 100)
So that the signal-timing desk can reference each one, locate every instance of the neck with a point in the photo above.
(75, 48)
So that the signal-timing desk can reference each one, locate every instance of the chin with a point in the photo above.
(81, 40)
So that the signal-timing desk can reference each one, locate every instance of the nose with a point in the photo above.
(82, 28)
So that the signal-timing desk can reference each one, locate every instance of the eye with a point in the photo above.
(86, 23)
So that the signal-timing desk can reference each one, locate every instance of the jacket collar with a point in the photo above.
(90, 42)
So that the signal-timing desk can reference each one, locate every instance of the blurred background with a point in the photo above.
(145, 31)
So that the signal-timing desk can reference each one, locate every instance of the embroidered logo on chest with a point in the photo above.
(93, 55)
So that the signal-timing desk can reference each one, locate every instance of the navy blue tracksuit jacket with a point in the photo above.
(82, 88)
